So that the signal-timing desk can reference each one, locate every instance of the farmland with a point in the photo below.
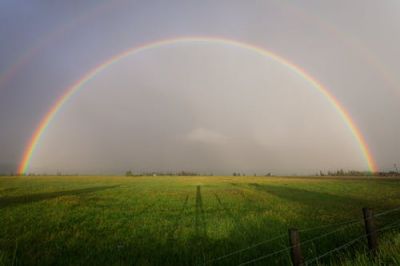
(101, 220)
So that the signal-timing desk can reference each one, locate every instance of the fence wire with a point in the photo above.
(335, 249)
(301, 243)
(265, 256)
(276, 238)
(387, 212)
(386, 228)
(342, 224)
(246, 248)
(329, 225)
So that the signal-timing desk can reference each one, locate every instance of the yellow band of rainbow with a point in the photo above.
(37, 135)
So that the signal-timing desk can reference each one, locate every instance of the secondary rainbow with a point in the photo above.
(37, 135)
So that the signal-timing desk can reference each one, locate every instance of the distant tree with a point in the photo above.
(129, 173)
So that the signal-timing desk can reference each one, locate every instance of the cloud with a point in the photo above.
(207, 136)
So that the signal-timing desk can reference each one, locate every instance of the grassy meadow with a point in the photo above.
(97, 220)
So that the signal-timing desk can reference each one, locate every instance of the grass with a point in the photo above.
(187, 220)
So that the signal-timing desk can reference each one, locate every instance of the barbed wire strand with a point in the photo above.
(329, 225)
(390, 226)
(328, 233)
(265, 256)
(302, 231)
(335, 249)
(301, 243)
(246, 248)
(387, 212)
(276, 238)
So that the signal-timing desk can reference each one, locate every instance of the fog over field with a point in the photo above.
(200, 107)
(204, 106)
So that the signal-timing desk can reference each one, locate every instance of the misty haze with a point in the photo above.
(197, 107)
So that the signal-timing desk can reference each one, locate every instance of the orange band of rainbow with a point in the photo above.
(37, 135)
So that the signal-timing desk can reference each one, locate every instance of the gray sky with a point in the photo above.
(204, 107)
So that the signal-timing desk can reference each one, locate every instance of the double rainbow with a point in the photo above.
(37, 135)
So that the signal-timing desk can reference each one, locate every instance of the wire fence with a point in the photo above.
(246, 248)
(349, 243)
(301, 243)
(387, 212)
(339, 227)
(276, 238)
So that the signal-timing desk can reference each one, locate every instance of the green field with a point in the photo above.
(72, 220)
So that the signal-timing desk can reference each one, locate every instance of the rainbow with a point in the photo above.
(37, 135)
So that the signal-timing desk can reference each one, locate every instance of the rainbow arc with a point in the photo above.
(70, 91)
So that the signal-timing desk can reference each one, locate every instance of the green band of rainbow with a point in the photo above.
(37, 135)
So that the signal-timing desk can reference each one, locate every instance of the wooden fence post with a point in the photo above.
(370, 229)
(297, 257)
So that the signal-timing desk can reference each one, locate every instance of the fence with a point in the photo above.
(371, 235)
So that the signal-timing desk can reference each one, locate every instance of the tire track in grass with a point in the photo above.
(239, 225)
(147, 208)
(11, 201)
(255, 204)
(200, 222)
(175, 227)
(200, 242)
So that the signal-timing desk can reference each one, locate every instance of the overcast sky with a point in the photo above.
(200, 106)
